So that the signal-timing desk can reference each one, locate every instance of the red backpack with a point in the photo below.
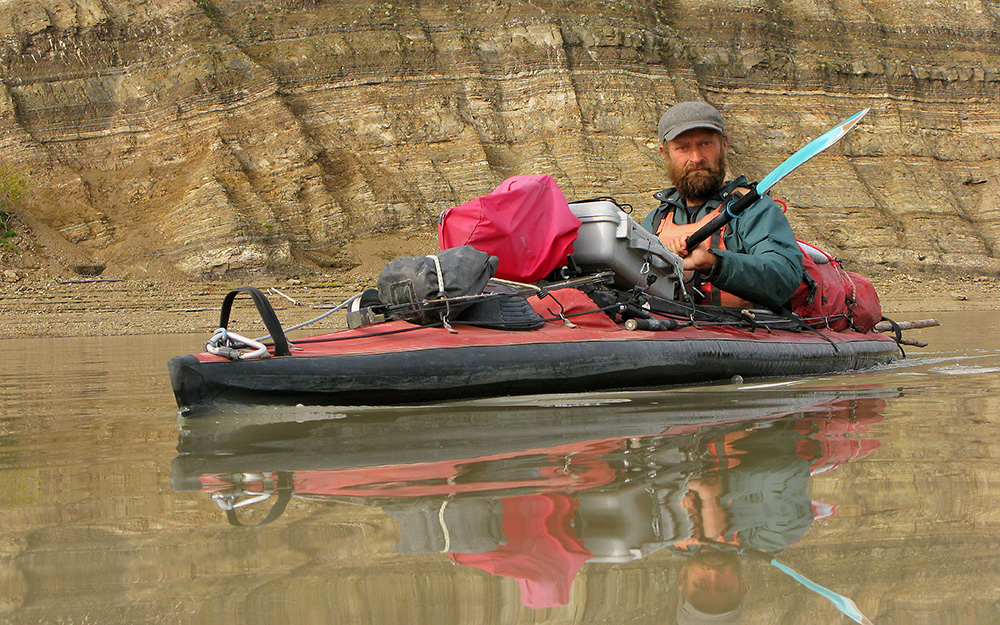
(832, 296)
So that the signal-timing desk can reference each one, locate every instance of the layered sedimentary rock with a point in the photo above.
(211, 136)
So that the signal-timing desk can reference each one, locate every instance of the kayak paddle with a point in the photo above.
(805, 153)
(842, 603)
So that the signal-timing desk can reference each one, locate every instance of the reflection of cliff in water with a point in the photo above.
(609, 482)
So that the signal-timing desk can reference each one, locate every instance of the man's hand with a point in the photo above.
(701, 259)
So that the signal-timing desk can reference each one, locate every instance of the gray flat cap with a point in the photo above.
(687, 116)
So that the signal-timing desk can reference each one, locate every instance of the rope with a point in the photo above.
(444, 527)
(340, 306)
(440, 275)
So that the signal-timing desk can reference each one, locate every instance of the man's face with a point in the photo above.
(696, 163)
(713, 584)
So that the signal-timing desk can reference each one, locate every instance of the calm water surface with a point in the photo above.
(882, 487)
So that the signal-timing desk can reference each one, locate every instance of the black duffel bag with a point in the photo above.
(415, 282)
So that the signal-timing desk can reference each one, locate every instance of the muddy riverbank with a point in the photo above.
(52, 307)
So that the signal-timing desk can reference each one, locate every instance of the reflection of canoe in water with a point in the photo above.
(254, 439)
(533, 490)
(397, 362)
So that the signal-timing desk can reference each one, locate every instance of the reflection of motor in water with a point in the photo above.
(537, 516)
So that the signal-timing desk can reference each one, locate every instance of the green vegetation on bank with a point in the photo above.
(13, 186)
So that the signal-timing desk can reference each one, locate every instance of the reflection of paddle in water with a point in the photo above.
(842, 603)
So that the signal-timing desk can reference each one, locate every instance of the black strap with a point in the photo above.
(266, 314)
(787, 314)
(285, 489)
(898, 332)
(813, 287)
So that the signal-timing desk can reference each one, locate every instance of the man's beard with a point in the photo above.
(698, 185)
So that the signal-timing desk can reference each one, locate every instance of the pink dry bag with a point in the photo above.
(526, 223)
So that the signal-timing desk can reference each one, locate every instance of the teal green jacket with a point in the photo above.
(762, 261)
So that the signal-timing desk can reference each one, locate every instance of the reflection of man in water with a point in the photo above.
(712, 589)
(756, 495)
(753, 491)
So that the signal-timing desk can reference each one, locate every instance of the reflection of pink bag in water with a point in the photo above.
(526, 223)
(542, 551)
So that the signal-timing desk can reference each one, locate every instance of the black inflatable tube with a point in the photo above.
(487, 371)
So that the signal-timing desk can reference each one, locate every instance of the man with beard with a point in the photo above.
(755, 259)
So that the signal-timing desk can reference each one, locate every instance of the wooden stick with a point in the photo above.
(285, 296)
(885, 326)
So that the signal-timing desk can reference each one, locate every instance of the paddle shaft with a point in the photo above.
(733, 210)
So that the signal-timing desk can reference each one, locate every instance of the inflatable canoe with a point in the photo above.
(444, 327)
(575, 346)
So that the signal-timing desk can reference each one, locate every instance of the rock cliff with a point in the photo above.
(201, 137)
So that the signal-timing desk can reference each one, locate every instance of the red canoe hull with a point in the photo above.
(374, 366)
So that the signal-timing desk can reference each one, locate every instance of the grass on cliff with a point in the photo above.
(13, 186)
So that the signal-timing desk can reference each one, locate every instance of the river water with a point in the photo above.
(882, 487)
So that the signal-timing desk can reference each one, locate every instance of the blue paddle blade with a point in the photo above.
(810, 150)
(845, 605)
